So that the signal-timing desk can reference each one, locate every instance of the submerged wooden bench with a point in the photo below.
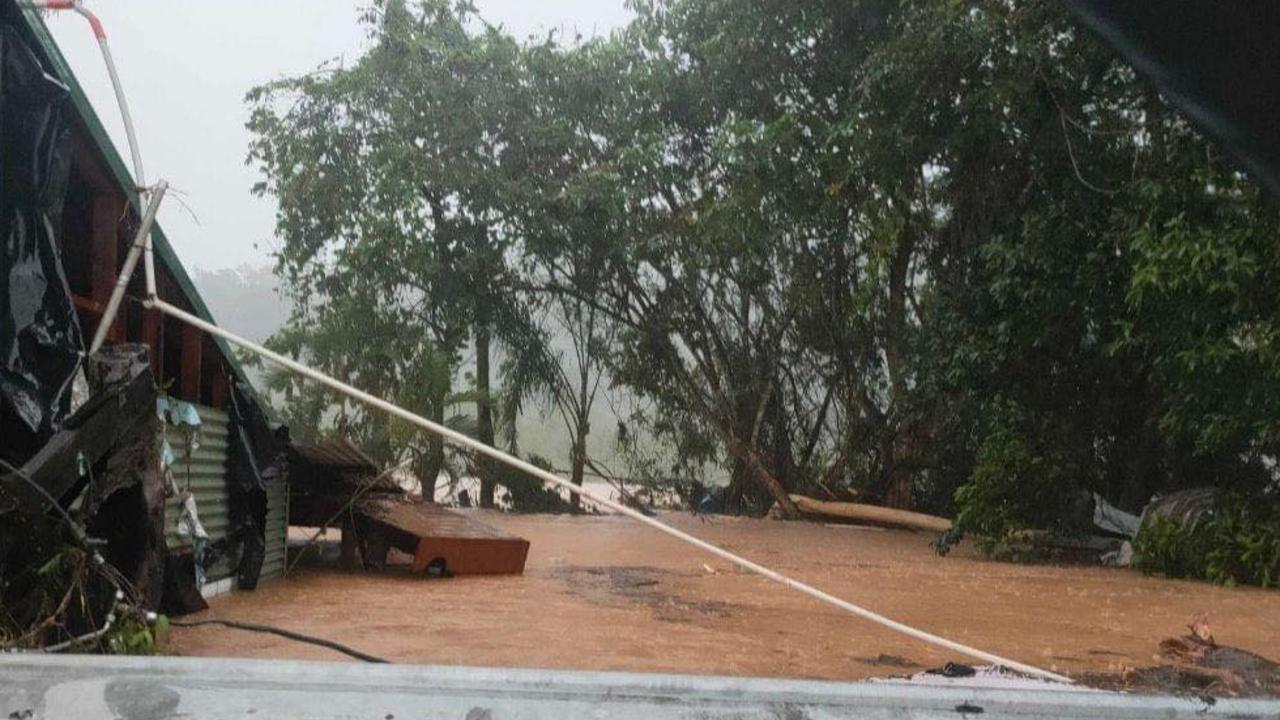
(432, 534)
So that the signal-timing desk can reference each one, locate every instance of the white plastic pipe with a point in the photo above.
(140, 241)
(100, 34)
(552, 479)
(139, 175)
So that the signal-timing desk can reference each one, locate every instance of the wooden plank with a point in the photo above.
(473, 556)
(151, 334)
(86, 163)
(87, 306)
(219, 390)
(103, 247)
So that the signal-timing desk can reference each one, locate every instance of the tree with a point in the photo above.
(939, 255)
(389, 176)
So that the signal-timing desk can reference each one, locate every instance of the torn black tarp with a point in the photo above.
(95, 430)
(40, 342)
(254, 460)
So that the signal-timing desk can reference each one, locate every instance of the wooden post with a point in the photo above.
(348, 551)
(189, 373)
(151, 333)
(104, 247)
(220, 390)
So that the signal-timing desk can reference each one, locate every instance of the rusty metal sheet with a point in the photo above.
(337, 452)
(434, 535)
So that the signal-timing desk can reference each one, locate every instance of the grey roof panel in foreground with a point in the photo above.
(92, 687)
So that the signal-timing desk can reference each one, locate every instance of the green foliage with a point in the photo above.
(1167, 546)
(66, 596)
(1014, 486)
(1236, 543)
(949, 254)
(1205, 272)
(391, 176)
(36, 599)
(132, 636)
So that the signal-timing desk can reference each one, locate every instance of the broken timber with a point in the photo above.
(88, 435)
(434, 535)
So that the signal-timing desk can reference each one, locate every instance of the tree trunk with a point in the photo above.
(349, 548)
(898, 480)
(433, 461)
(582, 408)
(735, 500)
(761, 475)
(484, 413)
(578, 469)
(422, 468)
(899, 449)
(784, 461)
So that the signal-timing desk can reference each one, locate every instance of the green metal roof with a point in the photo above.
(115, 163)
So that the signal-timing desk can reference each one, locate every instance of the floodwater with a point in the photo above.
(604, 593)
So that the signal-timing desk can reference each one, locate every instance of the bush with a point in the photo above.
(527, 494)
(1013, 488)
(1238, 542)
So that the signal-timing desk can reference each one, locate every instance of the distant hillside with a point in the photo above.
(244, 300)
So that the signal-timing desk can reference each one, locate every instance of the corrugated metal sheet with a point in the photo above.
(337, 452)
(424, 519)
(204, 472)
(277, 529)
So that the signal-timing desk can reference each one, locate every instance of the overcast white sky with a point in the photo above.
(186, 66)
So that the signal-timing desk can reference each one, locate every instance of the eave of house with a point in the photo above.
(111, 158)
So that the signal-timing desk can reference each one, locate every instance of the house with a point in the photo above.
(68, 211)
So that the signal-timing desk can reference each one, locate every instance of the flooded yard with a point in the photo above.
(603, 593)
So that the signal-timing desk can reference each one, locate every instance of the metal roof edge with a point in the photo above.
(336, 450)
(52, 685)
(115, 163)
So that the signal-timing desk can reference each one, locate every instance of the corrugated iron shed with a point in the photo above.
(204, 474)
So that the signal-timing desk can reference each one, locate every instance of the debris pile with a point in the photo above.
(1196, 664)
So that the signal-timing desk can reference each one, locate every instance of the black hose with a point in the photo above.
(289, 634)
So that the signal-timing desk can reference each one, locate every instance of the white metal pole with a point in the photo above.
(515, 462)
(139, 174)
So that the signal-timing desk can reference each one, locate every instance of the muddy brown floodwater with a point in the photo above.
(604, 593)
